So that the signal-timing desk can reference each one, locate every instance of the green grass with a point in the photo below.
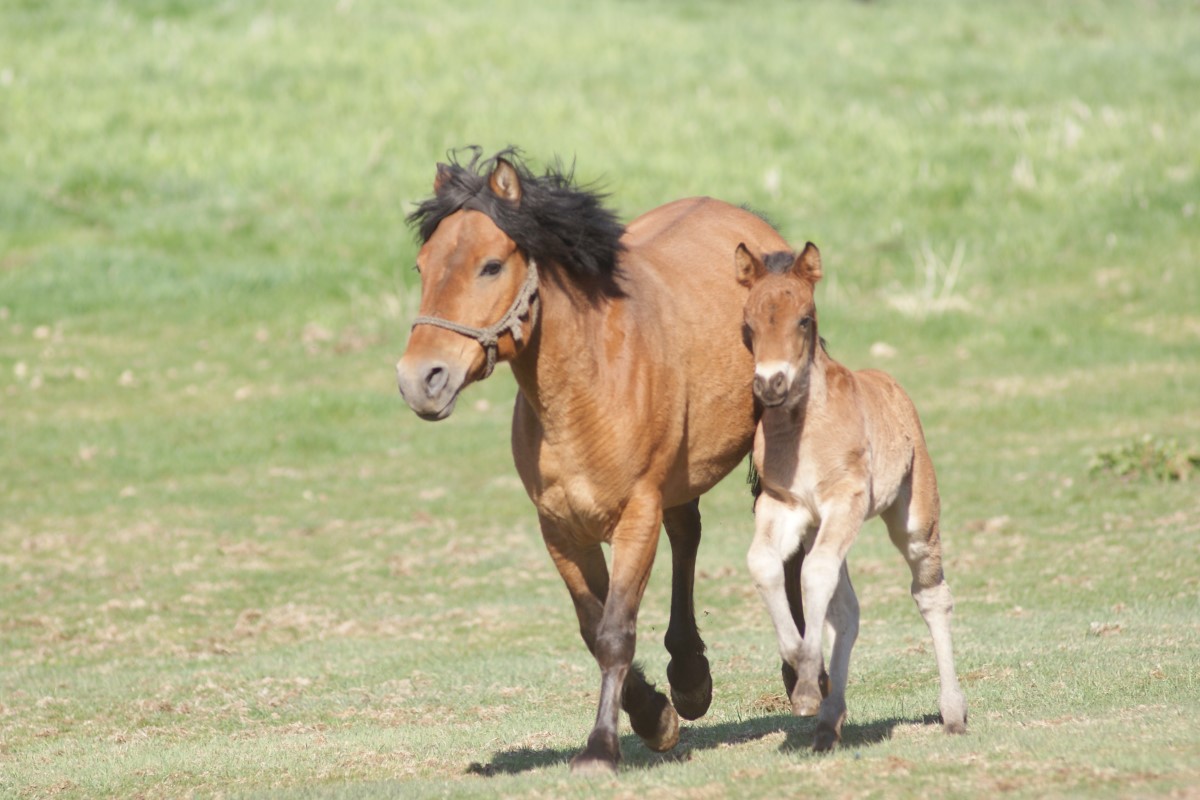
(232, 561)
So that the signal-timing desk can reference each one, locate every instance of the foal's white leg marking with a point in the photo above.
(842, 631)
(912, 538)
(777, 532)
(819, 578)
(936, 606)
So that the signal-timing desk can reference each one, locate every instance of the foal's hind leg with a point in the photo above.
(913, 527)
(688, 671)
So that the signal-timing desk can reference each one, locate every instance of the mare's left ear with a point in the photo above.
(808, 265)
(504, 182)
(747, 268)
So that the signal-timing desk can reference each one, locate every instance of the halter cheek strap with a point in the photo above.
(524, 307)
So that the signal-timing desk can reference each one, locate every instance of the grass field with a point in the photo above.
(233, 563)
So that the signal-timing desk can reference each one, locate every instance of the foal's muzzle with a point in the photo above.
(771, 390)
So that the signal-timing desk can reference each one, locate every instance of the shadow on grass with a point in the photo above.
(799, 735)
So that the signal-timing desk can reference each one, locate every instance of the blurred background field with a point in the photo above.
(233, 562)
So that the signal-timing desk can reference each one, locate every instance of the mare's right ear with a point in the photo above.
(443, 175)
(746, 266)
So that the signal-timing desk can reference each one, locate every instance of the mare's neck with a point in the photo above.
(561, 364)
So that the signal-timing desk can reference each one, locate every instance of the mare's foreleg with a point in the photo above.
(688, 671)
(614, 637)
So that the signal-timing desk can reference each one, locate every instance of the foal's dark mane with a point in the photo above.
(556, 221)
(778, 264)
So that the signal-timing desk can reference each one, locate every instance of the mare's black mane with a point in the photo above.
(555, 221)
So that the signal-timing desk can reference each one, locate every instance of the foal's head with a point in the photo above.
(781, 320)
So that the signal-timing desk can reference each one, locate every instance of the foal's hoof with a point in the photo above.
(691, 702)
(955, 725)
(806, 704)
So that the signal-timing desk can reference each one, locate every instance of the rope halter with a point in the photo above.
(524, 307)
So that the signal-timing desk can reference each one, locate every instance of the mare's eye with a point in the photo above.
(805, 321)
(492, 267)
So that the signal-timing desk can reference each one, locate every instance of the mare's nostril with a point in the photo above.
(435, 381)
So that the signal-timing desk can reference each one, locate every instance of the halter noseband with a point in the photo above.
(524, 306)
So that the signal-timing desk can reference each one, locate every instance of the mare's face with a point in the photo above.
(780, 318)
(471, 272)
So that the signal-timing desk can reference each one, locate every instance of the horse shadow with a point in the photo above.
(798, 738)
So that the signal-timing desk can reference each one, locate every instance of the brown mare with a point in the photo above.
(634, 397)
(833, 449)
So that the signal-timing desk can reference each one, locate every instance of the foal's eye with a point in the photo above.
(805, 322)
(492, 267)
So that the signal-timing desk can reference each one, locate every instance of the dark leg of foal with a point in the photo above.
(687, 672)
(791, 584)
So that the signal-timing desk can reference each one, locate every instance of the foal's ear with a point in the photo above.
(808, 265)
(504, 182)
(443, 175)
(746, 266)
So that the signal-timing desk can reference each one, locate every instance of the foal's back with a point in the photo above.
(894, 437)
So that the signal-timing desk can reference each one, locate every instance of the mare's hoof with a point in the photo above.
(592, 766)
(656, 722)
(691, 703)
(600, 757)
(826, 737)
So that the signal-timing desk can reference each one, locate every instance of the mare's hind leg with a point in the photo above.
(912, 523)
(687, 672)
(586, 575)
(842, 630)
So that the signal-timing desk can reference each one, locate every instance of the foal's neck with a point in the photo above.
(814, 399)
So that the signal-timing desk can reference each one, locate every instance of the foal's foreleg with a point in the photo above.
(842, 629)
(687, 672)
(819, 579)
(775, 551)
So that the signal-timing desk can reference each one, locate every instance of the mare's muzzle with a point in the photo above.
(429, 386)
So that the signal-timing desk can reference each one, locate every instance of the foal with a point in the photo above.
(833, 449)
